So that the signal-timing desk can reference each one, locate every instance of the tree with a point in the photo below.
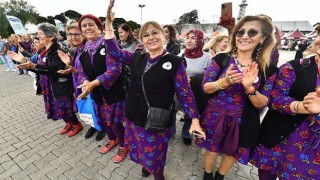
(20, 9)
(50, 19)
(189, 18)
(5, 28)
(61, 17)
(41, 19)
(71, 14)
(178, 26)
(133, 25)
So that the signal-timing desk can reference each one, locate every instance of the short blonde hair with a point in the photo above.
(145, 26)
(72, 26)
(212, 44)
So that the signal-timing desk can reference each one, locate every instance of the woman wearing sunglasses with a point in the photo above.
(290, 133)
(239, 89)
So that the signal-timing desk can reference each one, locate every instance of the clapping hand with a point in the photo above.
(311, 102)
(16, 56)
(249, 75)
(233, 76)
(26, 65)
(70, 69)
(87, 87)
(64, 57)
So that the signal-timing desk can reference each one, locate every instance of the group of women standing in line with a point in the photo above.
(240, 82)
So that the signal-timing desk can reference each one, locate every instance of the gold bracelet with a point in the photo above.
(216, 85)
(220, 84)
(296, 107)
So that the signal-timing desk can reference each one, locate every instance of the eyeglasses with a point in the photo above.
(251, 33)
(74, 35)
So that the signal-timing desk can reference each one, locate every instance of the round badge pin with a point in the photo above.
(167, 65)
(103, 51)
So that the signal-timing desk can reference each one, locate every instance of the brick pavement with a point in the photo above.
(31, 148)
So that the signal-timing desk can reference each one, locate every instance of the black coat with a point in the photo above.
(62, 85)
(173, 48)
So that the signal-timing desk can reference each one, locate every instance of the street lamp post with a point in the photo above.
(141, 6)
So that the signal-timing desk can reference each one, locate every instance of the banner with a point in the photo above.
(16, 25)
(59, 25)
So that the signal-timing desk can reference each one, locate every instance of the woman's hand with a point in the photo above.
(26, 65)
(249, 75)
(110, 14)
(16, 56)
(311, 102)
(232, 76)
(70, 69)
(87, 87)
(195, 127)
(64, 57)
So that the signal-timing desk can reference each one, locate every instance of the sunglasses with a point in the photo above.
(251, 33)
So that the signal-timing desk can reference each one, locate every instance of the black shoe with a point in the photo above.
(145, 173)
(218, 176)
(90, 132)
(187, 141)
(207, 176)
(100, 135)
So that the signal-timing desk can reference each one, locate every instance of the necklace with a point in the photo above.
(241, 66)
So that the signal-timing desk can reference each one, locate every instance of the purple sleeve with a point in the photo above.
(82, 76)
(185, 94)
(280, 99)
(267, 88)
(122, 56)
(211, 73)
(111, 75)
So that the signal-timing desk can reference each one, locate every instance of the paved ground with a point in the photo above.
(31, 148)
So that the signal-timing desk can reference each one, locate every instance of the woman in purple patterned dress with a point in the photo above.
(240, 87)
(57, 89)
(100, 76)
(76, 43)
(290, 132)
(164, 75)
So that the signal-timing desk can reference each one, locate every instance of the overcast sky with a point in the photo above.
(164, 11)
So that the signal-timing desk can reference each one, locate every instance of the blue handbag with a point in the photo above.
(87, 112)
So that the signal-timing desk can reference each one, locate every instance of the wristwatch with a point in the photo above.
(253, 93)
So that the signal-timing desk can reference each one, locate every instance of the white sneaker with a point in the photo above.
(7, 70)
(13, 70)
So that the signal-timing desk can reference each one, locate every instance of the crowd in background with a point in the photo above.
(221, 85)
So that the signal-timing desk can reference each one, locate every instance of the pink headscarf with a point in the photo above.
(197, 51)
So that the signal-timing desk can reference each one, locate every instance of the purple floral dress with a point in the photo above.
(108, 114)
(55, 108)
(228, 104)
(149, 149)
(292, 158)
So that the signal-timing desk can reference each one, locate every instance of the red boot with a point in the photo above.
(67, 128)
(122, 152)
(75, 129)
(110, 144)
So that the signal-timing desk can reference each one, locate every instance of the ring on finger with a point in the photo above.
(230, 77)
